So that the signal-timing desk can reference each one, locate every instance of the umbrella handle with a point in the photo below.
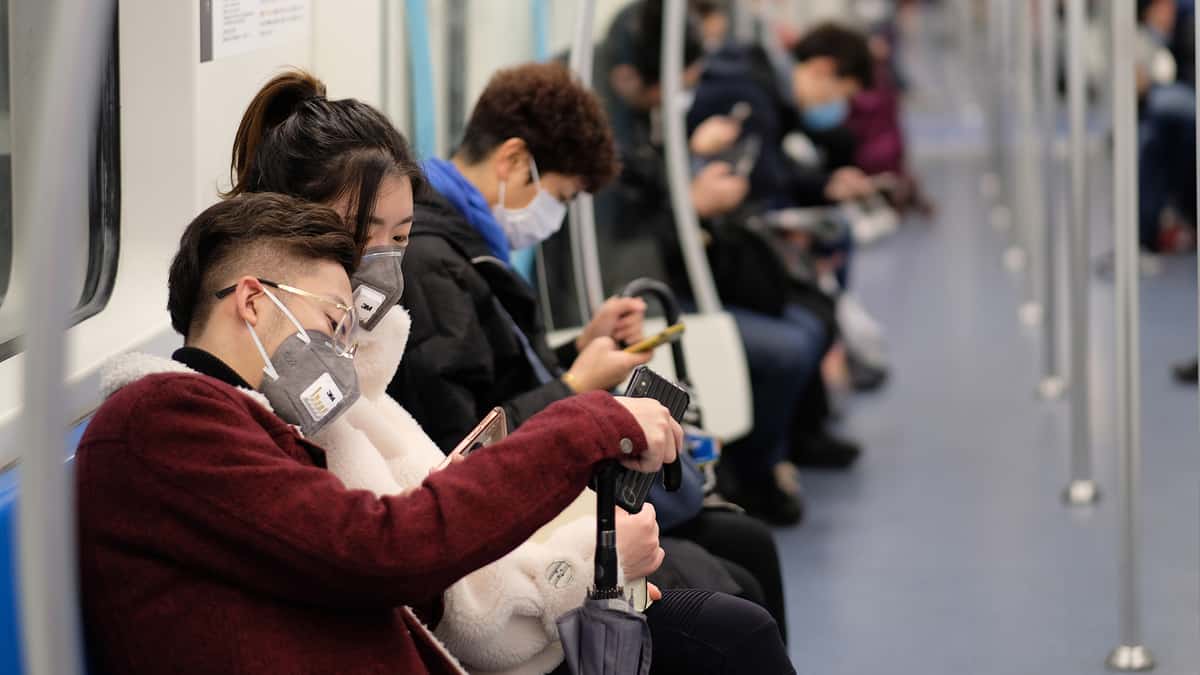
(605, 584)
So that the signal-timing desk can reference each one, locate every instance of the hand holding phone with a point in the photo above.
(491, 429)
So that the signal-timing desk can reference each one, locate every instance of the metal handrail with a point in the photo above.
(585, 255)
(73, 57)
(676, 148)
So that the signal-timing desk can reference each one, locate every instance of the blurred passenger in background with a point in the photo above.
(784, 338)
(1166, 135)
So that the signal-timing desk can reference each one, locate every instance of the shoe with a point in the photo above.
(864, 376)
(773, 506)
(1186, 372)
(823, 451)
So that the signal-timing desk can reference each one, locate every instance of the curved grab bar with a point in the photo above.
(585, 256)
(72, 58)
(645, 286)
(675, 141)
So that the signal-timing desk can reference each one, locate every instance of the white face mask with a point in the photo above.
(535, 222)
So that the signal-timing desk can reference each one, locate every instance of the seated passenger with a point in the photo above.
(831, 64)
(785, 327)
(500, 618)
(211, 537)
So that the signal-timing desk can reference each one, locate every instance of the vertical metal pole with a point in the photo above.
(675, 146)
(585, 257)
(1081, 489)
(1026, 178)
(1196, 28)
(1051, 386)
(72, 57)
(996, 184)
(1130, 654)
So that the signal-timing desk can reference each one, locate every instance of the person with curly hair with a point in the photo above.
(535, 140)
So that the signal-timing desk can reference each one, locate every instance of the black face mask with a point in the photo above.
(378, 284)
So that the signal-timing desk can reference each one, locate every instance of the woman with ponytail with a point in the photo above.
(500, 618)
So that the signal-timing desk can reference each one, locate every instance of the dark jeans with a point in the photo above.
(1166, 158)
(748, 544)
(783, 354)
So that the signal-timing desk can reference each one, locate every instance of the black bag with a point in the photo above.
(747, 270)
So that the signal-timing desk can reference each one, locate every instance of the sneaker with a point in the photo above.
(823, 451)
(1186, 372)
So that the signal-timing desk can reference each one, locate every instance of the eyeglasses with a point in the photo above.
(343, 330)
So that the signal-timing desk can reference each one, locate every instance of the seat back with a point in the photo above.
(10, 608)
(10, 634)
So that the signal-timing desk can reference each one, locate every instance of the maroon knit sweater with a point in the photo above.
(212, 542)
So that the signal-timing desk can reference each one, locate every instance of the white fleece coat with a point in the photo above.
(128, 368)
(500, 618)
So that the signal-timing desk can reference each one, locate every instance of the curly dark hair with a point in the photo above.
(561, 122)
(846, 46)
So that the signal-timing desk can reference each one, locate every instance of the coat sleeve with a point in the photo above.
(198, 465)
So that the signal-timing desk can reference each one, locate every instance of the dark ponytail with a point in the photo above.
(294, 141)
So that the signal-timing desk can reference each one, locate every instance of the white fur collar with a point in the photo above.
(380, 351)
(125, 369)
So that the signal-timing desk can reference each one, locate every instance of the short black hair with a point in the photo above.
(646, 42)
(847, 47)
(258, 234)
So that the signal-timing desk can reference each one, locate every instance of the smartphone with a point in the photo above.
(634, 486)
(491, 429)
(740, 111)
(747, 155)
(669, 334)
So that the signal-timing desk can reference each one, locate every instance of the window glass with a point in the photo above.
(100, 234)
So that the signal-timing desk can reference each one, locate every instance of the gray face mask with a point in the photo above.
(307, 382)
(378, 284)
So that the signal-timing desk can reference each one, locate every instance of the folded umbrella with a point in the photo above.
(605, 636)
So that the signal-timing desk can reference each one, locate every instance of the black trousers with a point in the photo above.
(749, 545)
(705, 633)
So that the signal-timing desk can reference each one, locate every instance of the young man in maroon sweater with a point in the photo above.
(212, 539)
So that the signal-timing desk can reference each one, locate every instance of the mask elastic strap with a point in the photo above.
(269, 368)
(533, 172)
(501, 188)
(291, 317)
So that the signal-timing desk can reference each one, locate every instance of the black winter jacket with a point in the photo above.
(463, 355)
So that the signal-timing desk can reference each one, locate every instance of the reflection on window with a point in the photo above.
(101, 232)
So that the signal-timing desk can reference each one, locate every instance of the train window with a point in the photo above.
(101, 232)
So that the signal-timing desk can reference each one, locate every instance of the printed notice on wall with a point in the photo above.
(229, 27)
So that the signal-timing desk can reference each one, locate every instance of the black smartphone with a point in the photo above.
(634, 486)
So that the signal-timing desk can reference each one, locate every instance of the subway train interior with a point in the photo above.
(933, 408)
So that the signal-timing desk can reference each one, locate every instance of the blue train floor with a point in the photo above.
(947, 549)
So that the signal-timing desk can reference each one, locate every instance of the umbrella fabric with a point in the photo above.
(605, 637)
